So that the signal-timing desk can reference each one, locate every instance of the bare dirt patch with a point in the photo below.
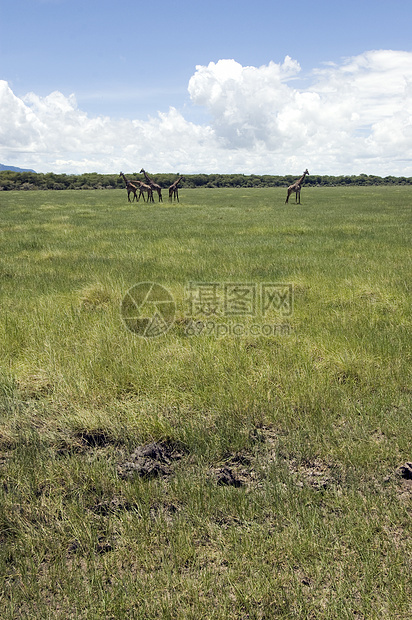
(405, 471)
(152, 460)
(95, 439)
(237, 471)
(316, 474)
(115, 505)
(404, 476)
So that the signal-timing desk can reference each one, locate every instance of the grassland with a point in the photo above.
(273, 486)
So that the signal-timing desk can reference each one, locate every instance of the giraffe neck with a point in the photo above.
(302, 178)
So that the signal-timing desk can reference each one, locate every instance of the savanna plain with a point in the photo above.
(206, 472)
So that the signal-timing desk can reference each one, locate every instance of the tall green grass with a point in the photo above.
(313, 424)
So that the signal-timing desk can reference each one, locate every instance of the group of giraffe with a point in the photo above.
(134, 186)
(150, 185)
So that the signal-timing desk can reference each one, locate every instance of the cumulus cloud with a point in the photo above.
(351, 117)
(52, 134)
(244, 102)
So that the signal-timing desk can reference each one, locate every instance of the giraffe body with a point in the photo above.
(174, 189)
(131, 189)
(143, 188)
(153, 185)
(296, 187)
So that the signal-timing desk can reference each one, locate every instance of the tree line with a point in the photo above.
(10, 180)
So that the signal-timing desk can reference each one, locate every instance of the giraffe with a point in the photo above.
(131, 188)
(296, 187)
(174, 190)
(143, 187)
(153, 185)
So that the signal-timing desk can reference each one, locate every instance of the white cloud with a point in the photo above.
(244, 102)
(353, 117)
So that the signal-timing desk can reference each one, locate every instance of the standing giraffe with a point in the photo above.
(296, 187)
(153, 185)
(133, 186)
(131, 189)
(174, 190)
(143, 187)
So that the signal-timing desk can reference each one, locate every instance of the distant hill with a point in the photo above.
(14, 169)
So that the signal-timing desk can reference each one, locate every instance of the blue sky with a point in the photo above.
(224, 86)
